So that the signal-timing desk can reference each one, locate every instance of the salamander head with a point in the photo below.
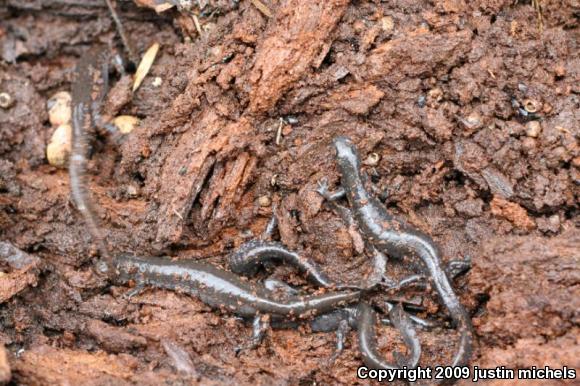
(346, 155)
(108, 269)
(121, 269)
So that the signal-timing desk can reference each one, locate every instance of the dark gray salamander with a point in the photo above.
(398, 239)
(363, 318)
(252, 255)
(366, 321)
(249, 257)
(86, 96)
(222, 289)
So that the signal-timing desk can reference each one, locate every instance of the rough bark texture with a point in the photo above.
(239, 125)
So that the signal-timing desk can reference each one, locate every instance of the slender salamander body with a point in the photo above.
(249, 257)
(222, 289)
(86, 96)
(363, 319)
(397, 238)
(366, 320)
(252, 255)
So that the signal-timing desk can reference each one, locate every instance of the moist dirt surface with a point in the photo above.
(466, 115)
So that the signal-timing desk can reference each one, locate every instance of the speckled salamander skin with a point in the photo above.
(221, 289)
(249, 257)
(397, 238)
(85, 94)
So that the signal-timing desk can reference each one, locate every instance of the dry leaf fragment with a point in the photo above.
(262, 7)
(145, 65)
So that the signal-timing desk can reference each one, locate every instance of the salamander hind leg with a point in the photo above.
(260, 326)
(341, 333)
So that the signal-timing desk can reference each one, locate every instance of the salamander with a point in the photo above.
(222, 289)
(249, 257)
(89, 88)
(87, 94)
(397, 238)
(252, 255)
(363, 319)
(215, 287)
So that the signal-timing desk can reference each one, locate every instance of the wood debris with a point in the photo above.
(262, 8)
(145, 65)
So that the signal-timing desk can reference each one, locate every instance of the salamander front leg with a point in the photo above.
(329, 196)
(137, 290)
(341, 333)
(260, 325)
(456, 268)
(344, 212)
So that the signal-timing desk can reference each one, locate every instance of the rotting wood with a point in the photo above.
(292, 45)
(382, 61)
(232, 182)
(223, 190)
(187, 168)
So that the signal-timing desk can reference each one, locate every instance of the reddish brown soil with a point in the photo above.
(436, 89)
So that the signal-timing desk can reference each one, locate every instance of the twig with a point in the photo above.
(197, 25)
(121, 32)
(538, 8)
(262, 7)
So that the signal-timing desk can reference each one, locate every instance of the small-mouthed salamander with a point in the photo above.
(249, 257)
(87, 94)
(363, 318)
(221, 289)
(397, 238)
